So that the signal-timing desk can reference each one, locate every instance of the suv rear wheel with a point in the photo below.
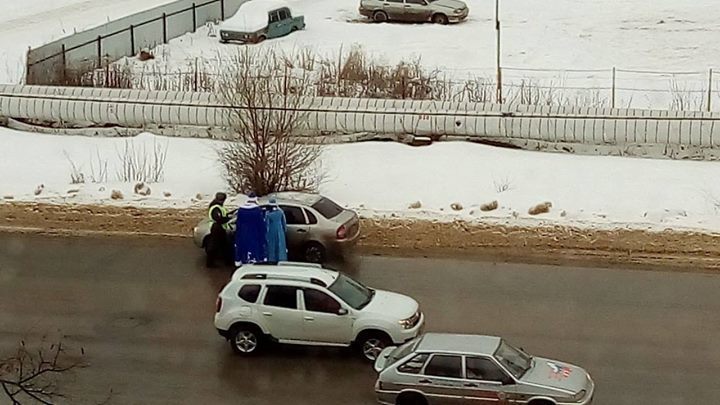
(245, 340)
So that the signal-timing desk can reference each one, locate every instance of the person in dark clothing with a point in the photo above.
(218, 244)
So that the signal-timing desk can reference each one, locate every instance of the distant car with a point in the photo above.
(436, 11)
(258, 20)
(305, 304)
(438, 368)
(316, 225)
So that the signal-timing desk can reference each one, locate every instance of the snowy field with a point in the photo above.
(566, 35)
(384, 179)
(33, 23)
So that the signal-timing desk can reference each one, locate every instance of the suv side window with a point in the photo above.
(249, 292)
(293, 215)
(318, 301)
(281, 296)
(312, 219)
(284, 14)
(481, 368)
(414, 365)
(442, 365)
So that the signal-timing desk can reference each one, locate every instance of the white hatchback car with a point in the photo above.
(301, 303)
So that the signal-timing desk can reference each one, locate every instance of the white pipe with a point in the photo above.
(137, 108)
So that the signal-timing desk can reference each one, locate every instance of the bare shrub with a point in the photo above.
(138, 164)
(685, 99)
(264, 100)
(98, 168)
(32, 374)
(76, 174)
(502, 185)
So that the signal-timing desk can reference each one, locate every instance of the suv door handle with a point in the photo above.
(267, 313)
(470, 385)
(425, 381)
(309, 318)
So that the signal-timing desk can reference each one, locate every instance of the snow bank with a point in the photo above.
(384, 179)
(251, 16)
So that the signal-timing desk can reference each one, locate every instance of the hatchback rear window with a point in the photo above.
(327, 208)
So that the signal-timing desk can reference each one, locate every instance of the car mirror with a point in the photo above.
(508, 381)
(342, 311)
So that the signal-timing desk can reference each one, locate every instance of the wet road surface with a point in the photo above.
(142, 310)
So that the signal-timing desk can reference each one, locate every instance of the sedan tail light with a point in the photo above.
(341, 232)
(218, 304)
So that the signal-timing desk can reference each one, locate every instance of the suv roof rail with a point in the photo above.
(300, 264)
(254, 276)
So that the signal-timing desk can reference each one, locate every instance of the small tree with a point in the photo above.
(31, 375)
(263, 93)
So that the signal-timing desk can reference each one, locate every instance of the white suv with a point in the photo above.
(301, 303)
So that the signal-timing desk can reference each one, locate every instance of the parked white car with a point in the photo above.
(302, 303)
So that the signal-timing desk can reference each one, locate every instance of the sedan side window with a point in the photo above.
(274, 16)
(312, 219)
(284, 14)
(281, 296)
(414, 365)
(444, 366)
(480, 368)
(293, 215)
(419, 2)
(318, 301)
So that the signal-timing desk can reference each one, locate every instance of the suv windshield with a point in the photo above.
(513, 359)
(352, 292)
(327, 208)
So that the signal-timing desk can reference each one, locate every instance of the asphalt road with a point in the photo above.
(142, 310)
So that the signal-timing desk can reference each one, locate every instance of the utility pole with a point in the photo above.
(498, 93)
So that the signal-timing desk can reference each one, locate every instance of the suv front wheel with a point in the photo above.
(245, 339)
(371, 343)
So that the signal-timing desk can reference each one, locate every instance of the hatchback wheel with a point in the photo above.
(410, 398)
(380, 16)
(440, 19)
(314, 253)
(245, 340)
(371, 344)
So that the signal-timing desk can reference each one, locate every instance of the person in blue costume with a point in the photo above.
(250, 233)
(276, 226)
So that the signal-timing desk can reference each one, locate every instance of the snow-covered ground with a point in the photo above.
(383, 179)
(662, 35)
(32, 23)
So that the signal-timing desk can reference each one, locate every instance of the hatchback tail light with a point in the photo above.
(218, 304)
(341, 232)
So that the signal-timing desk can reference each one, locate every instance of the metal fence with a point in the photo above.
(65, 61)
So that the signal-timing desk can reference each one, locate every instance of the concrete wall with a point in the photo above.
(84, 51)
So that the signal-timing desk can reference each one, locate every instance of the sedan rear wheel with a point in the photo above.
(314, 253)
(380, 16)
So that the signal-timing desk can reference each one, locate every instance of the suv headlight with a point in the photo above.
(459, 10)
(409, 323)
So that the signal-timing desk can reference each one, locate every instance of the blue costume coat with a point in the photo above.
(250, 235)
(275, 235)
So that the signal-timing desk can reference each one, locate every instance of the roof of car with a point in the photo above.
(449, 342)
(291, 271)
(252, 15)
(307, 199)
